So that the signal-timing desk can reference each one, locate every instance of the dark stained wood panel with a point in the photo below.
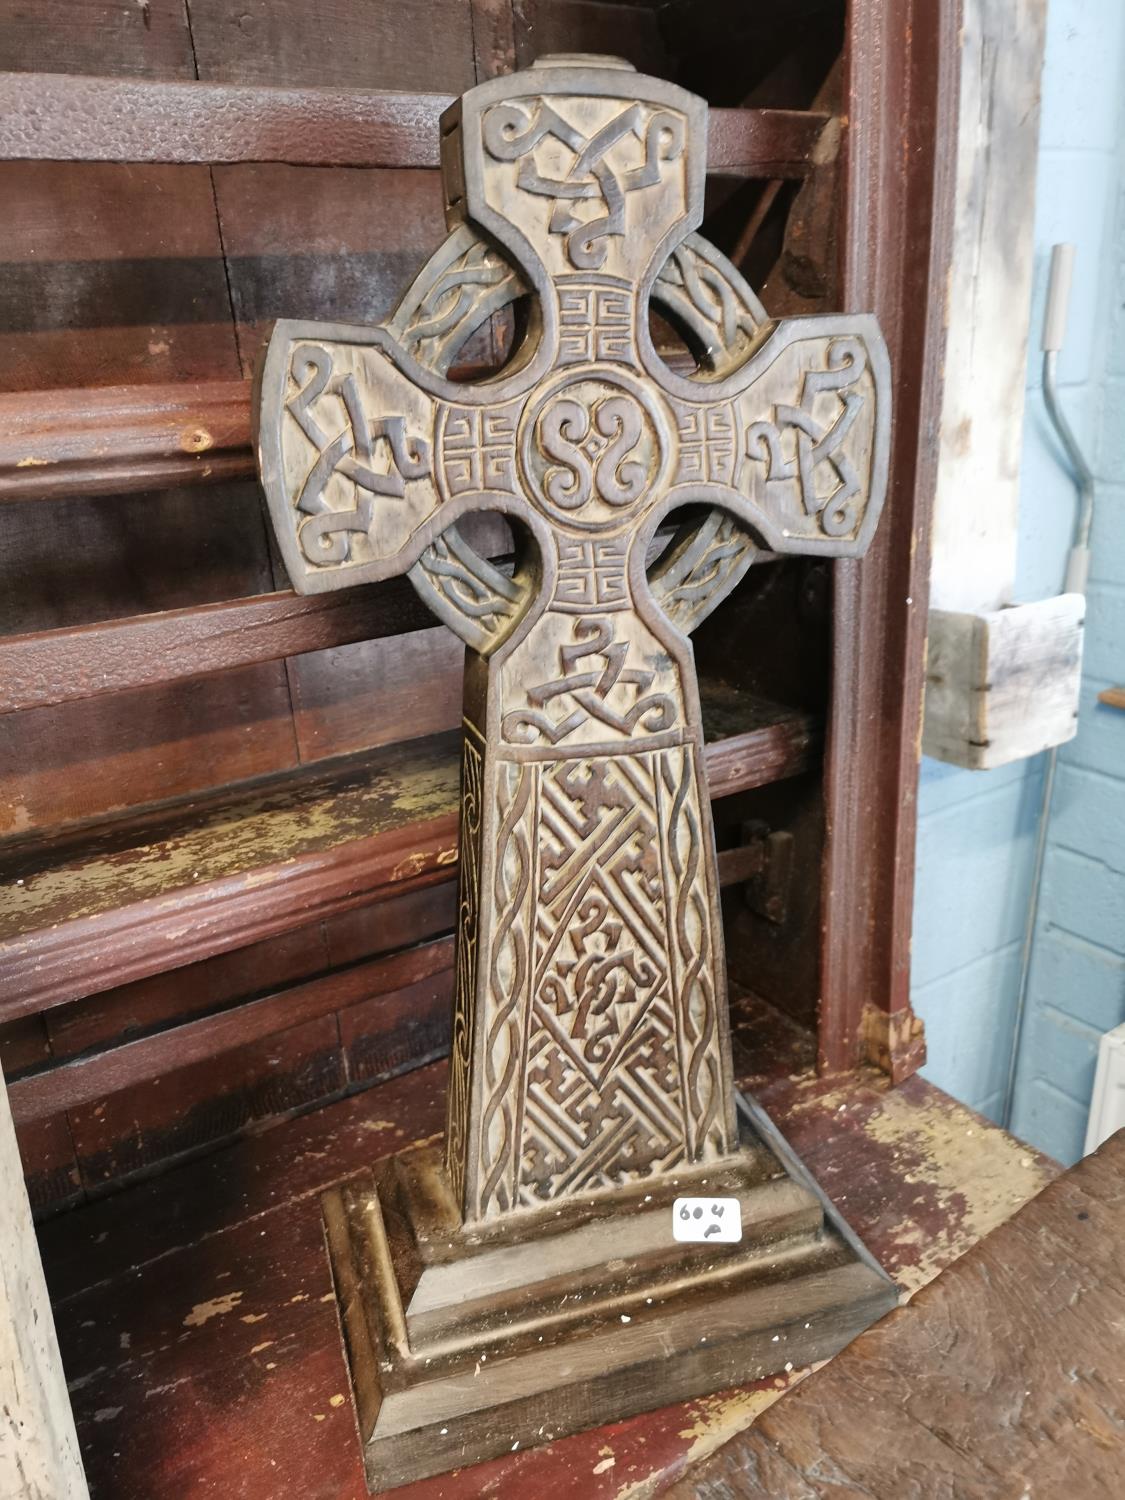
(106, 1020)
(339, 246)
(110, 275)
(149, 40)
(372, 693)
(50, 1166)
(74, 564)
(998, 1378)
(92, 1079)
(367, 931)
(105, 441)
(116, 1017)
(83, 760)
(385, 1034)
(629, 31)
(188, 1110)
(410, 44)
(24, 1044)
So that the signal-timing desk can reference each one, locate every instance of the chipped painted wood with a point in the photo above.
(988, 299)
(39, 1457)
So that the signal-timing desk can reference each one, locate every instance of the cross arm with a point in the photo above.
(358, 458)
(794, 444)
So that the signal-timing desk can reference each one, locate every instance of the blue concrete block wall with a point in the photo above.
(976, 830)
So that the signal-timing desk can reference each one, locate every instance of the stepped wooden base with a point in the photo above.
(464, 1344)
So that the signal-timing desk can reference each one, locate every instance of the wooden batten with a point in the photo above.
(59, 666)
(88, 1078)
(897, 201)
(53, 117)
(55, 444)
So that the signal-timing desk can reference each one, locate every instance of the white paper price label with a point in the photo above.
(718, 1220)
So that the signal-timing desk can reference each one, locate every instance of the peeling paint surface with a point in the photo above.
(250, 837)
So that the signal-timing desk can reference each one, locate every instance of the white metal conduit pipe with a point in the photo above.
(1077, 571)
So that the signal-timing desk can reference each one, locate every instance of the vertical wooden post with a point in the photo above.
(901, 77)
(39, 1457)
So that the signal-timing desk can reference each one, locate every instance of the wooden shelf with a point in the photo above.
(200, 1304)
(124, 898)
(60, 117)
(109, 441)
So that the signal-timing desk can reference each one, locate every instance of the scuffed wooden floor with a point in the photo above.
(199, 1331)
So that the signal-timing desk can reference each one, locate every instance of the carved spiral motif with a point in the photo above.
(593, 449)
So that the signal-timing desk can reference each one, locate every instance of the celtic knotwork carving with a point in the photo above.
(513, 130)
(452, 578)
(704, 1083)
(612, 1056)
(453, 297)
(350, 453)
(817, 442)
(508, 973)
(701, 291)
(468, 921)
(591, 694)
(700, 567)
(589, 1040)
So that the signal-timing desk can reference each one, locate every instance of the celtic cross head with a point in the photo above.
(590, 1041)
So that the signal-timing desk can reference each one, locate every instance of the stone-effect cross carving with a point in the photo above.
(590, 1041)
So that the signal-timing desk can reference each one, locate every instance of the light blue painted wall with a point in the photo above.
(976, 830)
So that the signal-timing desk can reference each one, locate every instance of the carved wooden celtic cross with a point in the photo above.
(590, 1046)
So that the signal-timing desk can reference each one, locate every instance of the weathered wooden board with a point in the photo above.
(39, 1451)
(1000, 1378)
(1003, 684)
(113, 275)
(88, 36)
(100, 914)
(987, 307)
(234, 859)
(87, 759)
(423, 44)
(340, 243)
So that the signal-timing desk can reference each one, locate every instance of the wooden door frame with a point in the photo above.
(896, 215)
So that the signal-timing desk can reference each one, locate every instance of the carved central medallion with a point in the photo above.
(592, 449)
